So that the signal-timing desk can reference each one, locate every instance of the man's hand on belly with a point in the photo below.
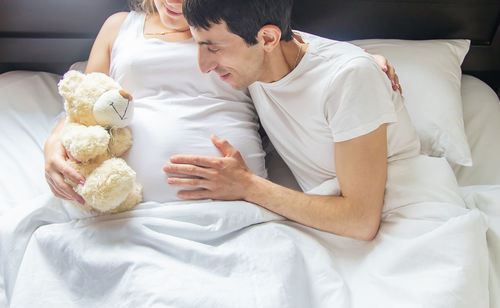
(221, 178)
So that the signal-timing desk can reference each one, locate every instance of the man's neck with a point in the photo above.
(283, 59)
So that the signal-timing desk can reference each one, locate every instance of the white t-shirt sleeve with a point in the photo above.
(359, 101)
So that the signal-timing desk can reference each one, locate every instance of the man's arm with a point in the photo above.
(361, 171)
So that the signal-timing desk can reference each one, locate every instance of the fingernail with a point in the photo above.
(82, 202)
(82, 182)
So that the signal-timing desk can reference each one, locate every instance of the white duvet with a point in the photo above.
(431, 251)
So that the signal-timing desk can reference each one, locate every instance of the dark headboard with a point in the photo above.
(477, 20)
(50, 35)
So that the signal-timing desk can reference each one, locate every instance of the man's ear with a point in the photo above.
(269, 36)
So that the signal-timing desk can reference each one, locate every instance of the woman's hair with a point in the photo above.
(146, 6)
(244, 18)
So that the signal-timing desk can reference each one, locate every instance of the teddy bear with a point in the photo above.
(95, 135)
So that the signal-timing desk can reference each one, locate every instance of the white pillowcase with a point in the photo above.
(482, 126)
(79, 66)
(29, 105)
(430, 75)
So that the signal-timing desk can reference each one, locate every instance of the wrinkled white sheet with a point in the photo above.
(430, 251)
(29, 105)
(486, 198)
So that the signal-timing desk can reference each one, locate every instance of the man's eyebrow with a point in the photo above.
(206, 43)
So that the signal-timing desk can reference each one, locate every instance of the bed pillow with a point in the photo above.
(277, 170)
(482, 127)
(430, 75)
(29, 106)
(79, 66)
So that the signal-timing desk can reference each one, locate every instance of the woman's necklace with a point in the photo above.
(165, 32)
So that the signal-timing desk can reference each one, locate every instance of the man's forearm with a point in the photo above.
(356, 213)
(334, 214)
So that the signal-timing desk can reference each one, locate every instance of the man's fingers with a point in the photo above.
(202, 161)
(188, 170)
(223, 145)
(194, 194)
(188, 182)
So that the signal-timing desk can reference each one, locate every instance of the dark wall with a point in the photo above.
(477, 20)
(50, 35)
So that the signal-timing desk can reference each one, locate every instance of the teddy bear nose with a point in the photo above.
(125, 94)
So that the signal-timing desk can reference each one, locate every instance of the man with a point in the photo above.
(325, 106)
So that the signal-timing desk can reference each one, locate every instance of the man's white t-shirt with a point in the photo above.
(337, 92)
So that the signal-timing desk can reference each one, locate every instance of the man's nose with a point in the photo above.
(205, 62)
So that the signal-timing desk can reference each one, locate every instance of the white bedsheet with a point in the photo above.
(482, 127)
(235, 254)
(486, 198)
(29, 105)
(427, 254)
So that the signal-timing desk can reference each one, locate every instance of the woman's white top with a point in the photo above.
(177, 107)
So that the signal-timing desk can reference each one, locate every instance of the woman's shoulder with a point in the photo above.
(111, 27)
(115, 21)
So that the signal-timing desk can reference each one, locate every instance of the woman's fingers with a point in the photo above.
(55, 178)
(55, 190)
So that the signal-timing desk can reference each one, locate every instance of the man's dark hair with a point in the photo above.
(243, 17)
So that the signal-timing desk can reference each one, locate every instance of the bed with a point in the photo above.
(447, 55)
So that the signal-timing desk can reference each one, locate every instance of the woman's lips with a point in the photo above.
(172, 13)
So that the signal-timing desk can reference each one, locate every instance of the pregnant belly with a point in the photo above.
(155, 143)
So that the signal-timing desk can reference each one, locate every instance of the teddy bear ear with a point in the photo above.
(71, 80)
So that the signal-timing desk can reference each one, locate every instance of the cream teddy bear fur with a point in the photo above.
(95, 134)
